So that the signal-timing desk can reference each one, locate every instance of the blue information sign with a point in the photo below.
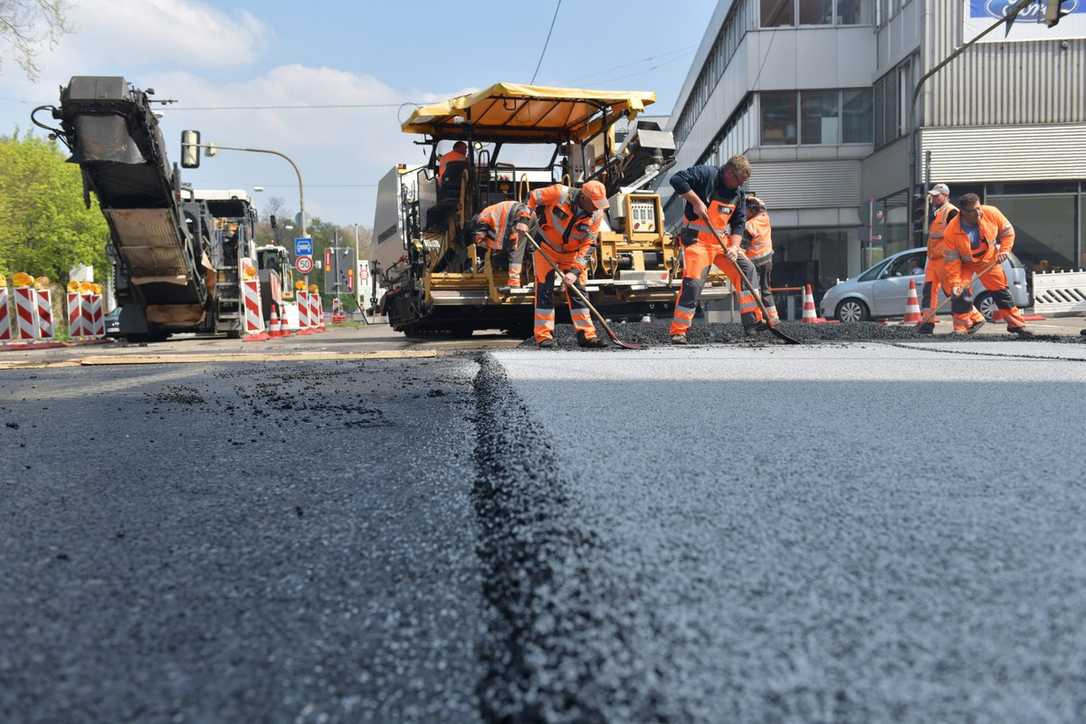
(303, 246)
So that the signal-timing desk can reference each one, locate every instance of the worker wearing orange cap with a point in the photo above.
(569, 222)
(758, 246)
(977, 242)
(503, 227)
(714, 200)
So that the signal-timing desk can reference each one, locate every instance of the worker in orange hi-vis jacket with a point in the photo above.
(569, 222)
(977, 242)
(503, 227)
(941, 214)
(758, 246)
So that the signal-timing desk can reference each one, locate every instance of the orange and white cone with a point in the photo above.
(810, 315)
(275, 329)
(912, 306)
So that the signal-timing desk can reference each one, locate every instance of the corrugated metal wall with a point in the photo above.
(807, 184)
(1021, 153)
(1001, 83)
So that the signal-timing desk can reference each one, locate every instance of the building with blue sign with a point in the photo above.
(817, 93)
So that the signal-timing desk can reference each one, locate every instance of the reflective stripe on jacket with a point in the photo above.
(564, 226)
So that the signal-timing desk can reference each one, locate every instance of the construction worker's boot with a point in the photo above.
(976, 327)
(590, 342)
(679, 339)
(925, 328)
(546, 344)
(1021, 332)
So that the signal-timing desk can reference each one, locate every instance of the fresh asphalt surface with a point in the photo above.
(858, 532)
(239, 543)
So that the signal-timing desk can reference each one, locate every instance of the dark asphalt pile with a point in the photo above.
(239, 543)
(652, 334)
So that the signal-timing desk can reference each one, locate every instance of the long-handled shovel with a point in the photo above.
(747, 286)
(580, 295)
(929, 316)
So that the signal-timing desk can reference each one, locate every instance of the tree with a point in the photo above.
(44, 227)
(25, 25)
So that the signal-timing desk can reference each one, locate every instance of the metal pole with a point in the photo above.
(1012, 13)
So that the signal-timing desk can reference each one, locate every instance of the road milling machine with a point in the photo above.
(176, 251)
(520, 138)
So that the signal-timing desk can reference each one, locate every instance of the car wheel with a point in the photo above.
(852, 310)
(986, 305)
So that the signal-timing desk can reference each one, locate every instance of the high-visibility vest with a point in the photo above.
(720, 213)
(996, 234)
(565, 227)
(937, 229)
(760, 248)
(496, 222)
(445, 160)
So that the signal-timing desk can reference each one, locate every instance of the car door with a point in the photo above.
(891, 289)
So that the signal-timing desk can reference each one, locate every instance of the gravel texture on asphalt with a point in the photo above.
(845, 533)
(239, 543)
(655, 333)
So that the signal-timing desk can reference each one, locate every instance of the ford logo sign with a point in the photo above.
(1034, 11)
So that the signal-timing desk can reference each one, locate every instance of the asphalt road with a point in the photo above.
(239, 542)
(744, 532)
(834, 533)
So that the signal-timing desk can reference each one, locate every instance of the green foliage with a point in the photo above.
(44, 227)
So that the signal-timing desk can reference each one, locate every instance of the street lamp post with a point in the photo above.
(1008, 18)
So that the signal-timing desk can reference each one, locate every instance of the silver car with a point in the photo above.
(882, 290)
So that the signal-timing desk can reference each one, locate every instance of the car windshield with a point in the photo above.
(874, 271)
(905, 265)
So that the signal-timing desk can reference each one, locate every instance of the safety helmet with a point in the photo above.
(596, 192)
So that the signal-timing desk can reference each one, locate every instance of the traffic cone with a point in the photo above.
(275, 329)
(912, 306)
(810, 315)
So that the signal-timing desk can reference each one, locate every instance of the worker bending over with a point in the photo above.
(503, 227)
(714, 199)
(941, 213)
(758, 247)
(977, 242)
(569, 221)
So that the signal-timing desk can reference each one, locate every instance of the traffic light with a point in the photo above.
(920, 219)
(1056, 9)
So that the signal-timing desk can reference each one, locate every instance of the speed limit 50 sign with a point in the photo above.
(303, 264)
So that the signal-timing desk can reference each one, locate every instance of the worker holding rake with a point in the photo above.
(714, 202)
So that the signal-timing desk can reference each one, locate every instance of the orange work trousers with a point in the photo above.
(698, 257)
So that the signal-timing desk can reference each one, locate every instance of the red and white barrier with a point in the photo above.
(303, 312)
(98, 319)
(44, 300)
(5, 317)
(315, 319)
(76, 328)
(26, 313)
(252, 316)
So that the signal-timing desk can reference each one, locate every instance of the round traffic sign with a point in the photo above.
(304, 264)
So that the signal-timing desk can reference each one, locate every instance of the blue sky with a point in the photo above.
(284, 53)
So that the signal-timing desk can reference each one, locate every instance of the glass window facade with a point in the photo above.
(820, 121)
(855, 12)
(1044, 229)
(815, 12)
(776, 13)
(892, 95)
(856, 111)
(779, 118)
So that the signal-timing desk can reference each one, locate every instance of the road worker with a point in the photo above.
(503, 228)
(714, 196)
(459, 152)
(976, 242)
(568, 224)
(941, 213)
(758, 247)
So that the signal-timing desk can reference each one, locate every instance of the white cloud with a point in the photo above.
(175, 33)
